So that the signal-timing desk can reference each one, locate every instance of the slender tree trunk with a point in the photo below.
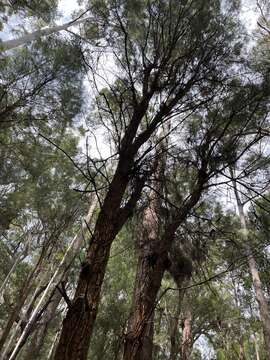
(27, 38)
(256, 347)
(180, 280)
(174, 323)
(35, 346)
(186, 343)
(53, 346)
(241, 349)
(56, 277)
(3, 286)
(257, 284)
(29, 283)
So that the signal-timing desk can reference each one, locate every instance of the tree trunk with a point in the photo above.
(138, 342)
(35, 346)
(79, 321)
(186, 343)
(25, 291)
(153, 261)
(257, 284)
(56, 277)
(27, 38)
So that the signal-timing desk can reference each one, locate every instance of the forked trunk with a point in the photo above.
(138, 342)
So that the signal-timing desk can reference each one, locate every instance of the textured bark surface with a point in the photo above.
(79, 322)
(152, 249)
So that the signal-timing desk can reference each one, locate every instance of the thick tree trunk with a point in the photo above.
(153, 261)
(257, 284)
(138, 342)
(138, 339)
(78, 324)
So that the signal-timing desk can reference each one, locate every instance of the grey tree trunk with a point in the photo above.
(257, 284)
(27, 38)
(56, 277)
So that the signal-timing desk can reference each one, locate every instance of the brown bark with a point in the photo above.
(138, 342)
(78, 324)
(153, 261)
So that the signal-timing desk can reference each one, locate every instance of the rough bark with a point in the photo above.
(78, 324)
(138, 342)
(153, 261)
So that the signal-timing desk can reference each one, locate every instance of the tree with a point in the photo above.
(168, 68)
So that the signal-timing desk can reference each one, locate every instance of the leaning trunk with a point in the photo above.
(78, 324)
(257, 284)
(29, 37)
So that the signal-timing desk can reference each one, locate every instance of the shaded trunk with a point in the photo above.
(181, 280)
(25, 291)
(35, 346)
(79, 321)
(153, 261)
(139, 335)
(174, 323)
(241, 350)
(138, 342)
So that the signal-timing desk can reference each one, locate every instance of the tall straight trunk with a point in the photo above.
(67, 259)
(27, 38)
(6, 280)
(35, 346)
(24, 292)
(174, 323)
(17, 329)
(186, 343)
(181, 280)
(257, 284)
